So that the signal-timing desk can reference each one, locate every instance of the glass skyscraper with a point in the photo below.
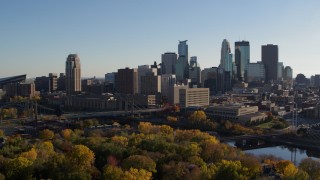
(242, 58)
(226, 56)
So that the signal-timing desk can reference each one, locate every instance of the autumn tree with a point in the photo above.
(137, 174)
(19, 167)
(312, 167)
(231, 170)
(66, 134)
(81, 158)
(46, 134)
(197, 117)
(112, 172)
(140, 162)
(286, 168)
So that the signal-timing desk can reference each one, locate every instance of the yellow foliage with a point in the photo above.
(120, 140)
(30, 155)
(46, 134)
(66, 134)
(286, 168)
(197, 117)
(137, 174)
(81, 157)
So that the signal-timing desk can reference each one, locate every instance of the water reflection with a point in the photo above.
(291, 153)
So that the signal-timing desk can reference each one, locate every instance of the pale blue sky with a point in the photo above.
(37, 35)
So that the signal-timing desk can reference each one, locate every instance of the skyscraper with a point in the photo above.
(182, 68)
(226, 56)
(168, 63)
(73, 74)
(242, 58)
(194, 71)
(183, 49)
(126, 81)
(270, 59)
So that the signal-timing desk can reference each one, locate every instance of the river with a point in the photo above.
(293, 154)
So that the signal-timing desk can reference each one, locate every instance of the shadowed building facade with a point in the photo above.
(73, 74)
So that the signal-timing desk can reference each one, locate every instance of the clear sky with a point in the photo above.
(36, 36)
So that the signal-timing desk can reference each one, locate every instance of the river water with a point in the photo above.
(293, 154)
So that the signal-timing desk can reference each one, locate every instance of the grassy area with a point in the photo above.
(266, 125)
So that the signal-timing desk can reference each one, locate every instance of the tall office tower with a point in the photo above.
(280, 69)
(183, 49)
(242, 58)
(256, 72)
(61, 82)
(109, 78)
(126, 81)
(270, 59)
(288, 73)
(53, 79)
(182, 68)
(214, 79)
(226, 56)
(167, 80)
(194, 71)
(150, 84)
(73, 74)
(143, 70)
(168, 63)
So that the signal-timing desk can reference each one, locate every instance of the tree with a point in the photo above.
(2, 133)
(66, 134)
(197, 117)
(30, 155)
(19, 167)
(137, 174)
(140, 162)
(231, 170)
(46, 134)
(112, 172)
(120, 140)
(286, 168)
(81, 158)
(312, 167)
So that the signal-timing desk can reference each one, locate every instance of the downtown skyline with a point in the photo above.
(36, 37)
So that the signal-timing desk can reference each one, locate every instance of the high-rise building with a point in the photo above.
(150, 84)
(226, 56)
(256, 72)
(143, 70)
(73, 74)
(109, 78)
(280, 70)
(168, 63)
(53, 78)
(214, 79)
(182, 68)
(183, 49)
(288, 73)
(242, 58)
(167, 81)
(316, 80)
(42, 84)
(61, 82)
(270, 59)
(194, 71)
(126, 81)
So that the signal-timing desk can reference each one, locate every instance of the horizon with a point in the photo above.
(37, 37)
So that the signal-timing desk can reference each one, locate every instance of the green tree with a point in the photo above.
(112, 172)
(312, 167)
(19, 167)
(231, 170)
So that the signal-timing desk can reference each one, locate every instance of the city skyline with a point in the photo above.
(108, 36)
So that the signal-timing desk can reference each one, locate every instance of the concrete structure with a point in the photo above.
(127, 81)
(235, 113)
(242, 58)
(21, 89)
(150, 84)
(61, 83)
(53, 82)
(173, 95)
(226, 56)
(168, 63)
(256, 72)
(167, 80)
(42, 84)
(89, 103)
(143, 70)
(193, 97)
(270, 59)
(73, 74)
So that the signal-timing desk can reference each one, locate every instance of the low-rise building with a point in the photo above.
(193, 97)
